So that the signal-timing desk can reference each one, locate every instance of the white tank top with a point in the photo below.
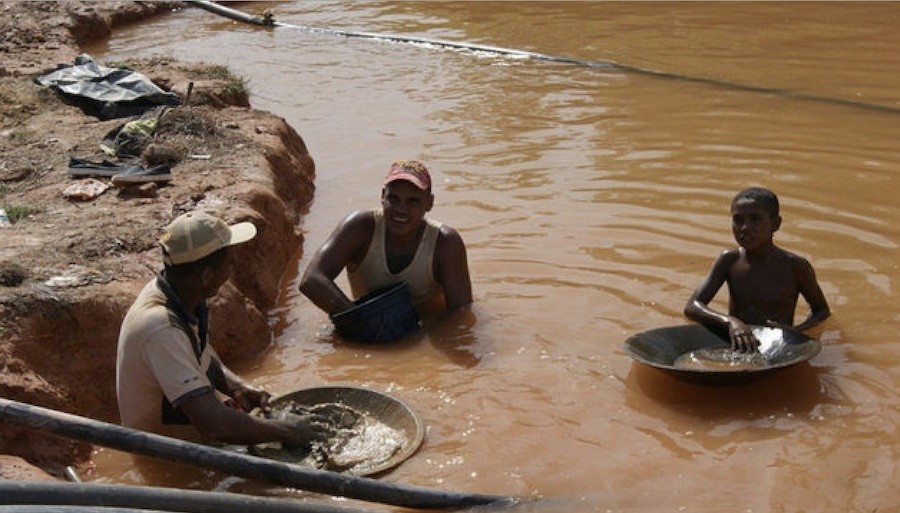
(373, 272)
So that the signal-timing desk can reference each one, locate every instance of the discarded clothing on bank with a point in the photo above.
(106, 93)
(129, 139)
(86, 189)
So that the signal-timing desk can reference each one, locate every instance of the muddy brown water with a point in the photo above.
(593, 201)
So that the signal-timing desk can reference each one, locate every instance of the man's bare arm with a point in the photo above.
(452, 270)
(218, 422)
(337, 252)
(229, 383)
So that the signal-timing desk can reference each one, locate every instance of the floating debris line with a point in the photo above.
(268, 20)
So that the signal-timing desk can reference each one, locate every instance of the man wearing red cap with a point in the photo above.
(390, 245)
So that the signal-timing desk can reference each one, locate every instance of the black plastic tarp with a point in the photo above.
(106, 92)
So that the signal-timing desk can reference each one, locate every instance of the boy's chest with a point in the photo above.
(761, 284)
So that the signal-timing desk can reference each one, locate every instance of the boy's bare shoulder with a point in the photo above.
(792, 258)
(729, 255)
(724, 262)
(799, 266)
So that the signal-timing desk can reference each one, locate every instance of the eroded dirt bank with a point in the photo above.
(70, 269)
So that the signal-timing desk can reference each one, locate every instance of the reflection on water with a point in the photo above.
(796, 390)
(592, 202)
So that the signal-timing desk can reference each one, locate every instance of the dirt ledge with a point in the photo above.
(69, 270)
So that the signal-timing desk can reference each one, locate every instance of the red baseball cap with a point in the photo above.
(411, 171)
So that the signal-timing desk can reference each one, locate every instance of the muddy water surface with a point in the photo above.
(593, 200)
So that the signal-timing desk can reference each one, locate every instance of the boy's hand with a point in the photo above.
(742, 338)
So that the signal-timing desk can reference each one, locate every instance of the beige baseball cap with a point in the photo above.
(196, 234)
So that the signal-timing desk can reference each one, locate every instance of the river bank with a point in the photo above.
(70, 269)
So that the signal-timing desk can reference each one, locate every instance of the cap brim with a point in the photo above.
(241, 232)
(408, 177)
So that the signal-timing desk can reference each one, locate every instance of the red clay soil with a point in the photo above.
(70, 269)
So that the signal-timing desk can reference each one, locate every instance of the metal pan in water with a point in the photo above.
(696, 354)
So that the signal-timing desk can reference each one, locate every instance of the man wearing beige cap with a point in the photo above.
(393, 244)
(167, 374)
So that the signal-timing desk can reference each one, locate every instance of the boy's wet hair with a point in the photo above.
(761, 195)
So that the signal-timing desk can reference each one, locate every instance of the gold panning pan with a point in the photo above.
(694, 353)
(386, 433)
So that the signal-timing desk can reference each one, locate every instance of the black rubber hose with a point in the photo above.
(243, 465)
(59, 493)
(237, 15)
(44, 508)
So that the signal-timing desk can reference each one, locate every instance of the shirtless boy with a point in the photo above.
(764, 281)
